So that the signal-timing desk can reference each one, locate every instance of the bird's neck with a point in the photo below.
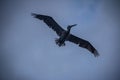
(68, 30)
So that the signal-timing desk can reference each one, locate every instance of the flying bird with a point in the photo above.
(65, 35)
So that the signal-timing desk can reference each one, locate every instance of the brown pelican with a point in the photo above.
(64, 35)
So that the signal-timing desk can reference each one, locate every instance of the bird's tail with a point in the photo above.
(57, 41)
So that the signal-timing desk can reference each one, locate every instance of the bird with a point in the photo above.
(65, 35)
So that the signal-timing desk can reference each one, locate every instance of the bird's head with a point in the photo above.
(70, 26)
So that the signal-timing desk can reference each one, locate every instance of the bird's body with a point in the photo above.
(61, 40)
(64, 35)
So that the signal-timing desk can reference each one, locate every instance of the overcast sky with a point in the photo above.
(28, 50)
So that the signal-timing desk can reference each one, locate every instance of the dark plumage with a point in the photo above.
(64, 35)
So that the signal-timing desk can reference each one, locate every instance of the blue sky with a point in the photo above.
(28, 49)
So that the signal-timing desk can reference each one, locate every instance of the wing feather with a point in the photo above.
(83, 43)
(50, 22)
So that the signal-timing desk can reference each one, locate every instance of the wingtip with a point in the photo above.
(33, 14)
(96, 54)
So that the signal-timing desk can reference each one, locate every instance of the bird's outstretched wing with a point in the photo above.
(83, 43)
(50, 22)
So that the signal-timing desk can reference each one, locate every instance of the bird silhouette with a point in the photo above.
(65, 35)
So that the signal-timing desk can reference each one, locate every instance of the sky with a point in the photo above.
(28, 50)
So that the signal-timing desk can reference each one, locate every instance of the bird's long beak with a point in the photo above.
(73, 25)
